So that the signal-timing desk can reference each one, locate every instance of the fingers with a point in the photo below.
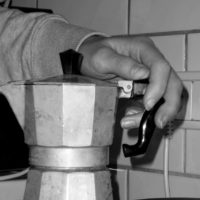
(163, 81)
(158, 82)
(165, 113)
(172, 104)
(143, 51)
(108, 61)
(160, 71)
(132, 117)
(135, 58)
(131, 121)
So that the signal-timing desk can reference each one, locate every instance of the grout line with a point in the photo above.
(128, 17)
(158, 171)
(185, 146)
(166, 33)
(127, 185)
(186, 53)
(191, 100)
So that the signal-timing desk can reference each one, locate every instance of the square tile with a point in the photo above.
(181, 186)
(193, 52)
(192, 151)
(145, 185)
(109, 16)
(173, 48)
(162, 15)
(151, 185)
(196, 100)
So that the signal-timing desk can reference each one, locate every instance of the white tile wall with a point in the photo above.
(173, 48)
(193, 52)
(107, 16)
(151, 185)
(192, 151)
(162, 15)
(184, 187)
(196, 101)
(145, 185)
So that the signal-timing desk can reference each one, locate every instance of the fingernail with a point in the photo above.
(131, 112)
(150, 103)
(128, 123)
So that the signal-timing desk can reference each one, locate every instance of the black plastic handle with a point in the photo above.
(71, 61)
(146, 129)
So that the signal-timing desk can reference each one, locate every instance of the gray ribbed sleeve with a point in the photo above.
(30, 44)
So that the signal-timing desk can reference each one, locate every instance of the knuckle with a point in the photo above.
(144, 39)
(146, 43)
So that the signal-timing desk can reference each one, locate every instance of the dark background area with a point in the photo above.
(13, 150)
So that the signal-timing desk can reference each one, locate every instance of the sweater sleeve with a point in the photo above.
(30, 44)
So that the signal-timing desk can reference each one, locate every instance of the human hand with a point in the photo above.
(135, 58)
